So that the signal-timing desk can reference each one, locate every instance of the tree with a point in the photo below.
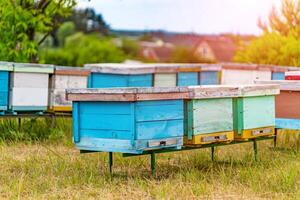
(280, 42)
(80, 49)
(186, 55)
(285, 21)
(22, 20)
(65, 30)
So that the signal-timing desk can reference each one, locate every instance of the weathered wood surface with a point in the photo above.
(292, 85)
(209, 116)
(187, 78)
(29, 97)
(71, 71)
(4, 90)
(29, 80)
(6, 66)
(67, 81)
(288, 104)
(128, 127)
(213, 91)
(165, 80)
(33, 68)
(259, 90)
(121, 68)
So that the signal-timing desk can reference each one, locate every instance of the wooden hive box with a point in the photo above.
(254, 111)
(278, 72)
(165, 75)
(5, 69)
(62, 79)
(128, 120)
(292, 75)
(210, 74)
(287, 104)
(120, 75)
(30, 87)
(209, 115)
(188, 74)
(244, 73)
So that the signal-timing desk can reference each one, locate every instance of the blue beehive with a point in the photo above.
(119, 75)
(128, 120)
(5, 69)
(210, 75)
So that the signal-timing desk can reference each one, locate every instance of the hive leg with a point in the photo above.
(275, 138)
(255, 149)
(110, 161)
(212, 153)
(152, 163)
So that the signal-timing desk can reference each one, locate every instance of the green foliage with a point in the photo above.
(186, 55)
(80, 49)
(65, 30)
(280, 43)
(20, 21)
(130, 47)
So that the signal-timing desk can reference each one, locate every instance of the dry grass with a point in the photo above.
(58, 171)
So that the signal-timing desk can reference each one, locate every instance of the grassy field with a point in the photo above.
(51, 168)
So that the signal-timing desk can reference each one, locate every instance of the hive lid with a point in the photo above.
(72, 71)
(291, 85)
(213, 91)
(211, 67)
(113, 68)
(259, 90)
(6, 66)
(239, 66)
(33, 68)
(128, 94)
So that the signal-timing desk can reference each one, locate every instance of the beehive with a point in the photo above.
(165, 75)
(5, 69)
(210, 75)
(209, 115)
(188, 74)
(254, 111)
(62, 79)
(244, 73)
(287, 104)
(120, 75)
(128, 120)
(292, 75)
(30, 87)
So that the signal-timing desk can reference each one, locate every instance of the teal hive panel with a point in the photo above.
(187, 78)
(209, 116)
(102, 80)
(278, 76)
(209, 78)
(128, 127)
(4, 90)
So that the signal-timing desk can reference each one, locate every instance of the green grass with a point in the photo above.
(51, 168)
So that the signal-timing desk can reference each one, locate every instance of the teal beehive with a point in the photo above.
(5, 69)
(128, 120)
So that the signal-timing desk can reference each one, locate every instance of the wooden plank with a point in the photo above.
(209, 78)
(71, 71)
(140, 80)
(288, 105)
(29, 97)
(187, 78)
(284, 123)
(162, 96)
(258, 112)
(159, 129)
(259, 90)
(102, 97)
(212, 115)
(29, 80)
(278, 76)
(33, 68)
(285, 85)
(237, 76)
(239, 66)
(6, 66)
(165, 80)
(110, 68)
(210, 138)
(98, 80)
(213, 91)
(255, 133)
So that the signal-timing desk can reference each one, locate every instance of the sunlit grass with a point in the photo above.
(54, 169)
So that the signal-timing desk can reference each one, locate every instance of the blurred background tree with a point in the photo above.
(280, 42)
(22, 20)
(186, 55)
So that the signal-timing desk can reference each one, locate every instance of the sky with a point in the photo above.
(198, 16)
